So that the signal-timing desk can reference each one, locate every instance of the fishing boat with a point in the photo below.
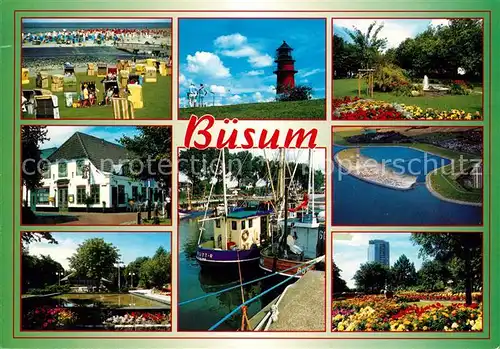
(300, 235)
(237, 233)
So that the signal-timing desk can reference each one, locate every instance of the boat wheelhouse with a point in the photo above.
(237, 237)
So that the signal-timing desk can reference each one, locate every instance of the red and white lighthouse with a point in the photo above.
(285, 69)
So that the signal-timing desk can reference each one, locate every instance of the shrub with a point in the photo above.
(50, 289)
(460, 87)
(390, 77)
(297, 93)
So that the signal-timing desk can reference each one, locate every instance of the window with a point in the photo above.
(42, 195)
(121, 194)
(234, 225)
(46, 170)
(135, 194)
(217, 223)
(95, 193)
(250, 223)
(242, 225)
(79, 167)
(62, 169)
(80, 195)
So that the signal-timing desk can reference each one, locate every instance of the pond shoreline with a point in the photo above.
(428, 182)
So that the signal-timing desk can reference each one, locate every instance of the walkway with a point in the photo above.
(302, 307)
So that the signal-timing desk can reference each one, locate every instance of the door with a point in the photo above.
(63, 199)
(114, 197)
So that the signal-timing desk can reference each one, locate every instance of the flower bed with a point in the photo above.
(376, 313)
(349, 108)
(139, 321)
(50, 318)
(441, 296)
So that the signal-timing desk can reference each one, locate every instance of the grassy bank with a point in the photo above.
(157, 98)
(469, 103)
(444, 181)
(312, 110)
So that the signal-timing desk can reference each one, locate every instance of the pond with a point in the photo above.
(357, 202)
(202, 314)
(104, 300)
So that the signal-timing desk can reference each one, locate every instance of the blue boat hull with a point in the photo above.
(208, 257)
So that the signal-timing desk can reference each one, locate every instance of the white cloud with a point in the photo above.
(261, 61)
(218, 89)
(257, 96)
(395, 30)
(208, 64)
(236, 46)
(307, 73)
(60, 134)
(254, 73)
(226, 41)
(437, 22)
(234, 99)
(244, 51)
(59, 252)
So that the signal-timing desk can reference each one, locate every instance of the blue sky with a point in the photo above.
(350, 250)
(59, 134)
(131, 245)
(235, 57)
(395, 30)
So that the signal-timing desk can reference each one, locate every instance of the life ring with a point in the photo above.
(245, 235)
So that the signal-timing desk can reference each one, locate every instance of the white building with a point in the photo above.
(87, 167)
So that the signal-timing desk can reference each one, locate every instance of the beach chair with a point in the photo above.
(122, 108)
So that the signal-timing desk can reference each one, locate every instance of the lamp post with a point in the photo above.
(118, 265)
(131, 279)
(59, 274)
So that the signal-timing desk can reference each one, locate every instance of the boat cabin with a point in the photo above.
(245, 227)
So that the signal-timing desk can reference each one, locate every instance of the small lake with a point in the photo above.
(202, 314)
(357, 202)
(106, 300)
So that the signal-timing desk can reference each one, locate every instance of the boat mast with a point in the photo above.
(309, 181)
(224, 192)
(312, 186)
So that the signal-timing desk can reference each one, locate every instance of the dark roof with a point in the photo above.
(284, 46)
(81, 145)
(45, 153)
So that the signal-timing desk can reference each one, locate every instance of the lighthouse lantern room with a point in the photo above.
(285, 69)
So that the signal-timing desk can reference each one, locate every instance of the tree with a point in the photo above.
(135, 267)
(28, 237)
(371, 277)
(445, 247)
(157, 271)
(200, 166)
(94, 259)
(403, 273)
(368, 45)
(153, 148)
(433, 276)
(240, 165)
(39, 271)
(339, 284)
(344, 57)
(296, 93)
(32, 171)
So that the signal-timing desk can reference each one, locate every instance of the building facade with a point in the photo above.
(378, 251)
(89, 173)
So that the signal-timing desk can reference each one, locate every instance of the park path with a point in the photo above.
(94, 218)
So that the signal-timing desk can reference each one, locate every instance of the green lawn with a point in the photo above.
(157, 100)
(311, 110)
(442, 181)
(469, 103)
